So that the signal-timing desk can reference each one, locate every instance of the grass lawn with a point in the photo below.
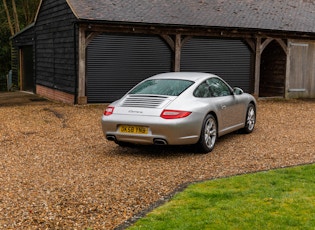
(277, 199)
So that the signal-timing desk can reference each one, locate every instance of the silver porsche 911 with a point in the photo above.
(179, 108)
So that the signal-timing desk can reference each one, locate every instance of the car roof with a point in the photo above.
(191, 76)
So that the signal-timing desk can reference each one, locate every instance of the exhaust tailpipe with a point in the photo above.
(111, 138)
(159, 141)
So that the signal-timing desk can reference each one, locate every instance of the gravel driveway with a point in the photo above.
(58, 172)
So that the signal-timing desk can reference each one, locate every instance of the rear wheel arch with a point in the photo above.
(214, 115)
(208, 134)
(216, 119)
(253, 103)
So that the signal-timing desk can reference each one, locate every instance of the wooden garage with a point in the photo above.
(94, 51)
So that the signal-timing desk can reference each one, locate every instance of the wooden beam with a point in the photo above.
(251, 44)
(178, 47)
(283, 45)
(269, 40)
(265, 44)
(82, 99)
(21, 71)
(90, 37)
(169, 41)
(257, 66)
(190, 31)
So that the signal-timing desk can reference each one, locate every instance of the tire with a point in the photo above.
(209, 134)
(250, 119)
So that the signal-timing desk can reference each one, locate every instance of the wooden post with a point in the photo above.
(21, 69)
(178, 46)
(82, 99)
(257, 66)
(288, 71)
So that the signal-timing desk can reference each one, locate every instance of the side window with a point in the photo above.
(203, 90)
(218, 87)
(213, 87)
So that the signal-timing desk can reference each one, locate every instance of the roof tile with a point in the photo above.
(288, 15)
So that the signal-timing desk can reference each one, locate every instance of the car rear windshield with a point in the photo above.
(169, 87)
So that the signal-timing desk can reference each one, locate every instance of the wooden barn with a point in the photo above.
(93, 51)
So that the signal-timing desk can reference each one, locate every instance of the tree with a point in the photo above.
(14, 27)
(14, 16)
(8, 16)
(29, 8)
(20, 16)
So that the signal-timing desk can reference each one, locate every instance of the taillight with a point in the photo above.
(109, 110)
(174, 114)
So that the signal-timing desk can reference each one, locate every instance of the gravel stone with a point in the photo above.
(57, 171)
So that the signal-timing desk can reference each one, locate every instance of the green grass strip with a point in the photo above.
(277, 199)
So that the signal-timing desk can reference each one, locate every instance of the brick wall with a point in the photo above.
(54, 94)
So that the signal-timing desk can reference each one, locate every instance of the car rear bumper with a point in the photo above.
(160, 131)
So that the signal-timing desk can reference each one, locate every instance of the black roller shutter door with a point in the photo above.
(115, 63)
(228, 58)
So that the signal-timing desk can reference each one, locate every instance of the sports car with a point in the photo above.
(179, 108)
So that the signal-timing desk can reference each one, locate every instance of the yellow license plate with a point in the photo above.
(133, 129)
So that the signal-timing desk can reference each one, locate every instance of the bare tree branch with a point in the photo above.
(16, 17)
(8, 17)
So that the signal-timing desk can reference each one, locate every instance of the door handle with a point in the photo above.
(223, 106)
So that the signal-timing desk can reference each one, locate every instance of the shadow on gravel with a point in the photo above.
(156, 151)
(163, 151)
(19, 98)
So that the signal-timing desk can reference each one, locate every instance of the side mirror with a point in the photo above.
(238, 91)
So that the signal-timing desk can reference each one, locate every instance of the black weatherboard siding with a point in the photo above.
(25, 39)
(55, 46)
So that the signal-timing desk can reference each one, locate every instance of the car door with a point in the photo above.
(229, 106)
